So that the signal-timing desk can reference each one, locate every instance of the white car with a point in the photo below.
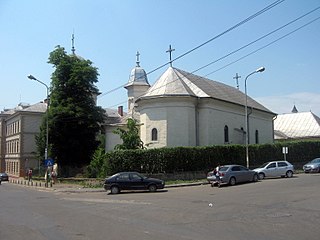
(275, 169)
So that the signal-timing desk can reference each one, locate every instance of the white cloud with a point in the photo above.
(304, 102)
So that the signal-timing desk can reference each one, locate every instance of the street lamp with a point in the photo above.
(47, 130)
(261, 69)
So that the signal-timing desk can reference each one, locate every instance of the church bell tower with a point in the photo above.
(137, 85)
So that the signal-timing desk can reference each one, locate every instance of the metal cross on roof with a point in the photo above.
(170, 50)
(138, 61)
(237, 77)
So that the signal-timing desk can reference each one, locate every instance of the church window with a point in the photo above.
(154, 134)
(226, 134)
(257, 137)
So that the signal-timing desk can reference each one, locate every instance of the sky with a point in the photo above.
(110, 32)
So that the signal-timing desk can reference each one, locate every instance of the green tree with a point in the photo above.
(95, 168)
(130, 137)
(74, 118)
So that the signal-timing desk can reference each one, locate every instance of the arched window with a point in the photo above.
(257, 137)
(226, 134)
(154, 134)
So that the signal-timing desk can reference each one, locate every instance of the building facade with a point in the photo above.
(19, 126)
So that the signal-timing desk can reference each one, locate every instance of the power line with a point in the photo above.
(230, 29)
(267, 45)
(227, 55)
(272, 5)
(260, 38)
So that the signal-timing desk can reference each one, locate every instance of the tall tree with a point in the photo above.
(74, 118)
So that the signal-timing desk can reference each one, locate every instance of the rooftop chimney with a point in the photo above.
(120, 110)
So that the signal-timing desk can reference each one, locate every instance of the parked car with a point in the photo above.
(132, 181)
(312, 166)
(4, 177)
(211, 177)
(275, 169)
(233, 174)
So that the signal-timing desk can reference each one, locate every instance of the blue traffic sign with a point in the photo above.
(49, 162)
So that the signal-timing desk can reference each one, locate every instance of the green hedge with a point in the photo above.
(170, 160)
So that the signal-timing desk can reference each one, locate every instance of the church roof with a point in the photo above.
(297, 125)
(176, 82)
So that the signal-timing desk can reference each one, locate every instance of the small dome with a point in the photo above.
(138, 76)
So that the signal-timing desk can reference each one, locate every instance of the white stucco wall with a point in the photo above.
(111, 139)
(174, 118)
(264, 124)
(214, 116)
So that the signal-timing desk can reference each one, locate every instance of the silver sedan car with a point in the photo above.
(275, 169)
(312, 166)
(233, 174)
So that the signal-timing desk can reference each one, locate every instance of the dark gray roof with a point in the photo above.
(24, 107)
(176, 82)
(112, 117)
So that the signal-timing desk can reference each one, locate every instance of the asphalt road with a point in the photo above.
(269, 209)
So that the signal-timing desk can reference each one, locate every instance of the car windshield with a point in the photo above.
(315, 160)
(263, 165)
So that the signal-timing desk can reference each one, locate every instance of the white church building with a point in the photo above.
(183, 109)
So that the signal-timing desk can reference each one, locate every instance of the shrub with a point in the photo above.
(171, 160)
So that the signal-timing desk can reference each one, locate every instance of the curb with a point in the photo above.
(75, 189)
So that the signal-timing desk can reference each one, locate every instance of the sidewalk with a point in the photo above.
(75, 188)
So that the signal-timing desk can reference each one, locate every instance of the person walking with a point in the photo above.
(30, 175)
(217, 175)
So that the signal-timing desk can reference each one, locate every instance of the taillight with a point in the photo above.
(221, 174)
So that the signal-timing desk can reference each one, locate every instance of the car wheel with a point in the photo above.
(115, 190)
(289, 174)
(232, 181)
(152, 188)
(255, 178)
(261, 176)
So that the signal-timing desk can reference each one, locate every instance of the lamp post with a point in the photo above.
(47, 125)
(261, 69)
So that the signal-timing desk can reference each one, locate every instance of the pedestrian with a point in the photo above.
(217, 175)
(54, 172)
(30, 175)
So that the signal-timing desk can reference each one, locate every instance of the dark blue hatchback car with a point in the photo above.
(132, 181)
